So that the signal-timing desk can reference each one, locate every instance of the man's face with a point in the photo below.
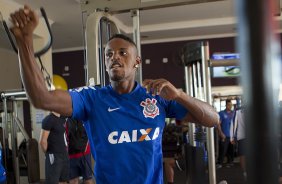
(229, 106)
(121, 57)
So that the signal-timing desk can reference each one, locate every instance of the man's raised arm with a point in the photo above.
(25, 21)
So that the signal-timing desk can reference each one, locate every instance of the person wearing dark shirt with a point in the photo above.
(54, 144)
(174, 135)
(79, 152)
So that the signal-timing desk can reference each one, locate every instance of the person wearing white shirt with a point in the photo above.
(237, 133)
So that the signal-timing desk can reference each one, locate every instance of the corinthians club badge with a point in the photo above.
(150, 109)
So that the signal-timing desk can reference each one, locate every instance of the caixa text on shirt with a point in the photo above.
(116, 137)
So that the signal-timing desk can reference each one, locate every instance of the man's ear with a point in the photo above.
(138, 60)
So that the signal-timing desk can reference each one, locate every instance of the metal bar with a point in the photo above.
(92, 47)
(259, 52)
(20, 99)
(115, 8)
(187, 79)
(191, 92)
(224, 62)
(200, 86)
(5, 133)
(135, 14)
(21, 127)
(15, 145)
(208, 97)
(191, 129)
(9, 94)
(194, 73)
(101, 54)
(167, 5)
(109, 29)
(83, 23)
(205, 56)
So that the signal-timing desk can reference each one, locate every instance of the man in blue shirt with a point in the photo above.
(226, 117)
(124, 121)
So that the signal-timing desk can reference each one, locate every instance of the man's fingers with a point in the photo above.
(157, 86)
(146, 85)
(154, 86)
(28, 12)
(27, 8)
(19, 19)
(23, 16)
(14, 20)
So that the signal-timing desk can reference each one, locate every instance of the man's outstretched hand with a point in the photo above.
(25, 21)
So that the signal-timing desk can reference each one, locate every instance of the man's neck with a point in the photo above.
(123, 87)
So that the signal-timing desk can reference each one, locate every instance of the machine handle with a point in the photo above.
(41, 13)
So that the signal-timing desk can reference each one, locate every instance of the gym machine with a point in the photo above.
(200, 150)
(95, 11)
(11, 124)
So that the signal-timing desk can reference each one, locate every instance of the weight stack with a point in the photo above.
(33, 169)
(195, 164)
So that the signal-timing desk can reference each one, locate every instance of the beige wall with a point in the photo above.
(9, 71)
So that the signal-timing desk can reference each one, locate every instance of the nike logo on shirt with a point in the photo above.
(114, 109)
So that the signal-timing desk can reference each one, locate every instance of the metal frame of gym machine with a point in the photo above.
(257, 46)
(260, 61)
(14, 97)
(98, 10)
(198, 85)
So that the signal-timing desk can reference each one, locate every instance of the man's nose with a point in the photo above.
(116, 56)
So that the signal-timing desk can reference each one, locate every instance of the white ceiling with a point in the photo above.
(199, 19)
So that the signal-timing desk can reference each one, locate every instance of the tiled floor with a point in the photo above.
(232, 175)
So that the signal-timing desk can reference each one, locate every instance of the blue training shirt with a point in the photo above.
(226, 120)
(125, 132)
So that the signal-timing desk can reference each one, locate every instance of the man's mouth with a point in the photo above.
(115, 65)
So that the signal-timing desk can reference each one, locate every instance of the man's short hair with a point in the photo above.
(124, 37)
(228, 101)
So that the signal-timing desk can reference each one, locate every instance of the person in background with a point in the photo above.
(237, 133)
(226, 117)
(54, 144)
(172, 143)
(123, 120)
(79, 152)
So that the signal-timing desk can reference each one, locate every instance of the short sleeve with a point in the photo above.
(47, 123)
(77, 105)
(80, 102)
(220, 115)
(175, 110)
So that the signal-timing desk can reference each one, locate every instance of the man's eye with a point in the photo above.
(123, 53)
(109, 54)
